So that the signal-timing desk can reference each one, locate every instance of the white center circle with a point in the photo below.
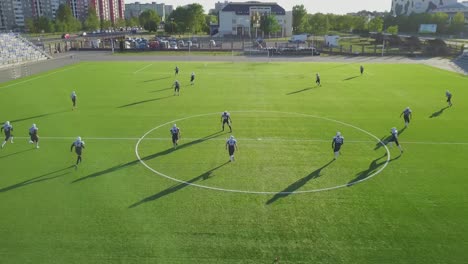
(263, 192)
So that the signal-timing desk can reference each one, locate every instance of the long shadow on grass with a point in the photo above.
(350, 78)
(144, 101)
(177, 187)
(385, 139)
(438, 113)
(300, 91)
(37, 179)
(298, 184)
(160, 90)
(15, 153)
(157, 79)
(33, 117)
(373, 166)
(149, 157)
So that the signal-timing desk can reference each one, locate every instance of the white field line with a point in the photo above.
(143, 68)
(246, 139)
(38, 77)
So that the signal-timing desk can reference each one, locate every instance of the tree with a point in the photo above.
(269, 24)
(319, 24)
(458, 23)
(65, 21)
(92, 21)
(105, 24)
(376, 24)
(392, 30)
(191, 17)
(132, 22)
(299, 14)
(148, 19)
(30, 25)
(441, 19)
(119, 23)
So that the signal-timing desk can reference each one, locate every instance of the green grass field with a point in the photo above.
(113, 209)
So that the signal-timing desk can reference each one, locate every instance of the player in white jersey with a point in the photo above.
(231, 146)
(73, 98)
(449, 97)
(7, 128)
(192, 78)
(34, 137)
(175, 132)
(226, 119)
(337, 142)
(394, 138)
(407, 115)
(79, 145)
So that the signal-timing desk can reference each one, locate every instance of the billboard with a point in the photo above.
(427, 28)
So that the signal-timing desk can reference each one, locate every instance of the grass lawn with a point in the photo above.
(113, 209)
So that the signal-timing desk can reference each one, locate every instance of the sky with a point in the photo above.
(312, 6)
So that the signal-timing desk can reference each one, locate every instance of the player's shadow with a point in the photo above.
(300, 91)
(15, 153)
(156, 79)
(37, 179)
(298, 184)
(177, 187)
(144, 101)
(373, 166)
(385, 139)
(149, 157)
(438, 113)
(160, 90)
(350, 78)
(33, 117)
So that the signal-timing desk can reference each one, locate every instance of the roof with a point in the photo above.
(456, 5)
(243, 8)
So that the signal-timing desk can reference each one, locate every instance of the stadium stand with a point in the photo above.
(15, 49)
(462, 62)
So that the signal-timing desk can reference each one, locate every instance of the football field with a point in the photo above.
(136, 199)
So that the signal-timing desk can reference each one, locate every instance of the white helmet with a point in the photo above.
(231, 137)
(174, 125)
(338, 134)
(34, 125)
(78, 138)
(7, 123)
(407, 108)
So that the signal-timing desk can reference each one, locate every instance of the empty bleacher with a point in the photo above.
(16, 50)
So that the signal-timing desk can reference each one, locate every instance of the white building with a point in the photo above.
(407, 7)
(243, 18)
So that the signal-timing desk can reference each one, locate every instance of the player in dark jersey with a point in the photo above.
(192, 78)
(394, 138)
(231, 146)
(175, 132)
(34, 137)
(337, 142)
(7, 128)
(176, 70)
(73, 98)
(176, 86)
(449, 97)
(317, 79)
(226, 119)
(407, 115)
(79, 145)
(361, 68)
